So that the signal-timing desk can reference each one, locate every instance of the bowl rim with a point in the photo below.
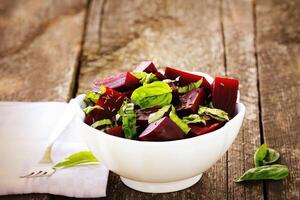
(210, 79)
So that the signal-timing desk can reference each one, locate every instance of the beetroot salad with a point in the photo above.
(148, 105)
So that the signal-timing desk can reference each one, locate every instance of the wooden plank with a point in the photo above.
(40, 43)
(278, 48)
(186, 34)
(241, 63)
(38, 58)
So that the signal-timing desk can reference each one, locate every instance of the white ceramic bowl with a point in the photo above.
(160, 167)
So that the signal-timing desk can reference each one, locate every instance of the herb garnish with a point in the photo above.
(128, 117)
(190, 86)
(157, 93)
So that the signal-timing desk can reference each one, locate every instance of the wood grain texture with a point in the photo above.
(185, 34)
(241, 64)
(278, 47)
(40, 43)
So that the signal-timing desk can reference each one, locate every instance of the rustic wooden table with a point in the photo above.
(53, 50)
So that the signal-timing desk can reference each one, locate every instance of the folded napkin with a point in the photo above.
(24, 132)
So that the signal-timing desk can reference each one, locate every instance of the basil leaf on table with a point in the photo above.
(190, 86)
(268, 172)
(153, 117)
(128, 117)
(77, 159)
(194, 118)
(181, 124)
(260, 154)
(157, 93)
(89, 109)
(215, 113)
(265, 155)
(271, 157)
(144, 77)
(101, 122)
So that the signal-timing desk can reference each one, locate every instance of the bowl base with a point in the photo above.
(161, 187)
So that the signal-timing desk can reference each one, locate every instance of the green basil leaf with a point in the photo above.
(91, 98)
(153, 117)
(144, 77)
(128, 117)
(89, 109)
(190, 87)
(101, 122)
(267, 172)
(194, 118)
(77, 159)
(260, 154)
(181, 124)
(215, 113)
(157, 93)
(271, 157)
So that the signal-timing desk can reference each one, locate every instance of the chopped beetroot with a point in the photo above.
(142, 116)
(185, 77)
(146, 66)
(175, 94)
(128, 93)
(162, 130)
(224, 94)
(116, 131)
(200, 129)
(110, 101)
(121, 82)
(160, 76)
(189, 102)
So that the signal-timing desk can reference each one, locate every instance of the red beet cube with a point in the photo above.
(116, 131)
(146, 66)
(175, 94)
(110, 101)
(185, 77)
(128, 93)
(200, 129)
(160, 76)
(189, 102)
(162, 130)
(142, 116)
(224, 94)
(121, 82)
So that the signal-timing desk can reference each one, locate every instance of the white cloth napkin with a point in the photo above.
(24, 132)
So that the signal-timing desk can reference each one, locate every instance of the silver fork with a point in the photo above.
(45, 165)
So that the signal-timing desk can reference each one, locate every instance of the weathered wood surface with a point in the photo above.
(241, 63)
(255, 41)
(40, 44)
(278, 51)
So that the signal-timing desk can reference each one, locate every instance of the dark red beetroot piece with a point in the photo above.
(200, 129)
(116, 131)
(185, 77)
(142, 116)
(128, 93)
(146, 66)
(160, 76)
(174, 93)
(110, 101)
(224, 94)
(162, 130)
(189, 102)
(121, 82)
